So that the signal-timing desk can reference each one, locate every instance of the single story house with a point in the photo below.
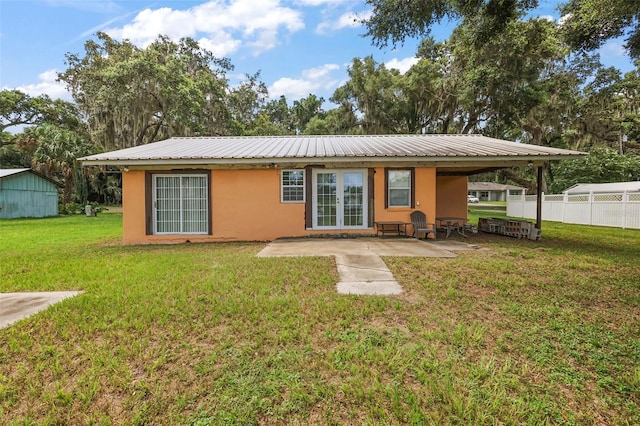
(266, 187)
(602, 188)
(491, 191)
(26, 193)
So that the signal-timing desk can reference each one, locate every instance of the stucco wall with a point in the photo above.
(451, 197)
(246, 206)
(425, 187)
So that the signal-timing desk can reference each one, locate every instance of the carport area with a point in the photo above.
(359, 262)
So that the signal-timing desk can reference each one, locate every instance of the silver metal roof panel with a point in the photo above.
(263, 149)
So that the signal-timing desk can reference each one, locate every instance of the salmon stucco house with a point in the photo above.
(262, 188)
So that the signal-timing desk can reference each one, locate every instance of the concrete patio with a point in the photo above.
(361, 269)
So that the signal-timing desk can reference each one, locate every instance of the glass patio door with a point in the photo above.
(339, 199)
(180, 204)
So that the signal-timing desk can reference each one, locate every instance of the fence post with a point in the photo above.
(565, 201)
(590, 208)
(625, 197)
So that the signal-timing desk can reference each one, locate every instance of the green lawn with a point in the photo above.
(522, 332)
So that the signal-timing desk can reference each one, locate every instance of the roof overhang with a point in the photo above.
(470, 163)
(447, 153)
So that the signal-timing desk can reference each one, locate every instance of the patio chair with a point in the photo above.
(419, 221)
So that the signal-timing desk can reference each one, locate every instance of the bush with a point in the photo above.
(69, 209)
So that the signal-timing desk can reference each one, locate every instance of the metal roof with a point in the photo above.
(10, 172)
(491, 186)
(585, 188)
(254, 150)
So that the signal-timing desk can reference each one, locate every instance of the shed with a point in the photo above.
(26, 193)
(603, 188)
(491, 191)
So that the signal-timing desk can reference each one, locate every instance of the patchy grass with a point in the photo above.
(519, 333)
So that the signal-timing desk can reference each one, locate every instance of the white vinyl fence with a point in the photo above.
(620, 210)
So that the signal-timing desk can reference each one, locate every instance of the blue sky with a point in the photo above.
(300, 46)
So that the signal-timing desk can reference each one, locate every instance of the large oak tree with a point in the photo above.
(133, 96)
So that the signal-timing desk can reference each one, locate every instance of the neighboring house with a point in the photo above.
(602, 188)
(25, 193)
(262, 188)
(490, 191)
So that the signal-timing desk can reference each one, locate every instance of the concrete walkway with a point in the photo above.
(17, 306)
(361, 269)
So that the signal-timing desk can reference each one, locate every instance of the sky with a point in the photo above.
(299, 46)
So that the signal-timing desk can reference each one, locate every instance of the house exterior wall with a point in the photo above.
(495, 195)
(246, 206)
(451, 199)
(27, 195)
(425, 194)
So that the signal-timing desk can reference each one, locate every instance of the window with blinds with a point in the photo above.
(181, 204)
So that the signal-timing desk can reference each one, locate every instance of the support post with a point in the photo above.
(539, 200)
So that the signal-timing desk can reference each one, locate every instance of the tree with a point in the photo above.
(12, 158)
(134, 96)
(373, 91)
(245, 102)
(588, 24)
(304, 109)
(19, 109)
(395, 20)
(56, 157)
(600, 166)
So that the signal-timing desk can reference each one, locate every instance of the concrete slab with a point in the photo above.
(335, 246)
(376, 288)
(361, 269)
(365, 274)
(17, 306)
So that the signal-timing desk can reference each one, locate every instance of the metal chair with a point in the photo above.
(419, 221)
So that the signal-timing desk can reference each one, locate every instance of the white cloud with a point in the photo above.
(613, 48)
(402, 65)
(319, 2)
(547, 18)
(564, 19)
(223, 25)
(312, 80)
(346, 20)
(220, 45)
(47, 86)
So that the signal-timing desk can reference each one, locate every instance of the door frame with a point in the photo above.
(340, 194)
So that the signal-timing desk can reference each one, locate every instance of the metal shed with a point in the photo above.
(26, 193)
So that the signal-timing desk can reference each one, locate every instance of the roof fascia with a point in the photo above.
(498, 161)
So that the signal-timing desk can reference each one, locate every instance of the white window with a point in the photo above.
(181, 204)
(399, 187)
(292, 188)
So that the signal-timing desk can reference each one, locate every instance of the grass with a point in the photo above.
(519, 333)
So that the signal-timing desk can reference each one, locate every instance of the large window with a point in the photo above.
(399, 187)
(292, 187)
(181, 204)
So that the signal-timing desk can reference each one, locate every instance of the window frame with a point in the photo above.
(411, 188)
(151, 200)
(301, 186)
